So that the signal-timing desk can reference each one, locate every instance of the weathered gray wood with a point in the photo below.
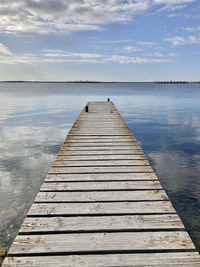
(107, 169)
(90, 134)
(99, 223)
(90, 138)
(131, 241)
(84, 163)
(101, 152)
(101, 177)
(109, 260)
(101, 196)
(101, 144)
(98, 140)
(110, 132)
(70, 186)
(100, 157)
(101, 148)
(100, 124)
(53, 209)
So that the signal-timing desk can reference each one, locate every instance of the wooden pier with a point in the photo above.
(101, 204)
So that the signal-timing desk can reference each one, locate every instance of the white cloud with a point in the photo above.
(130, 49)
(172, 2)
(192, 29)
(146, 43)
(61, 56)
(18, 59)
(179, 40)
(4, 50)
(172, 54)
(152, 54)
(61, 16)
(61, 53)
(137, 60)
(47, 16)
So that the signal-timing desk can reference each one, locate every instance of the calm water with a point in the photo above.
(35, 118)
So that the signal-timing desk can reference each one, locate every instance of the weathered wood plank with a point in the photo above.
(100, 157)
(105, 208)
(109, 260)
(84, 163)
(101, 144)
(107, 169)
(78, 186)
(101, 196)
(90, 134)
(97, 123)
(101, 242)
(95, 139)
(101, 177)
(90, 138)
(101, 148)
(100, 223)
(99, 132)
(101, 152)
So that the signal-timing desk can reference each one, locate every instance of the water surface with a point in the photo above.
(35, 118)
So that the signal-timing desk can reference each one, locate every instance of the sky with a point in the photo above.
(100, 40)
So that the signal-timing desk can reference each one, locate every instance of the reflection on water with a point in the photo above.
(35, 118)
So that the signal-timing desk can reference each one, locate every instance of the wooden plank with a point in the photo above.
(107, 169)
(101, 177)
(101, 148)
(101, 152)
(101, 223)
(101, 242)
(78, 186)
(109, 260)
(95, 123)
(105, 208)
(97, 130)
(110, 132)
(99, 139)
(84, 163)
(149, 195)
(100, 157)
(92, 139)
(90, 134)
(101, 144)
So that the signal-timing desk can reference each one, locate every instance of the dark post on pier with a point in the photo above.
(101, 204)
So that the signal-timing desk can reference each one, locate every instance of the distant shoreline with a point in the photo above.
(158, 82)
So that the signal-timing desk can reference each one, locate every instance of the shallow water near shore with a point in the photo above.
(36, 117)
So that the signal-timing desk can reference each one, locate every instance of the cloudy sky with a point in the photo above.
(104, 40)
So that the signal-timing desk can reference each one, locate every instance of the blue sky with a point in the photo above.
(107, 40)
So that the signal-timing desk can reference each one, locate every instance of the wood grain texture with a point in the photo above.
(101, 242)
(81, 186)
(137, 151)
(109, 260)
(86, 163)
(103, 148)
(101, 196)
(100, 144)
(101, 177)
(101, 223)
(108, 169)
(99, 157)
(105, 208)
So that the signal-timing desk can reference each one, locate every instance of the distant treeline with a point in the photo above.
(175, 82)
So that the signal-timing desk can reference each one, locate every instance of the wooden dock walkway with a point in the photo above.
(101, 204)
